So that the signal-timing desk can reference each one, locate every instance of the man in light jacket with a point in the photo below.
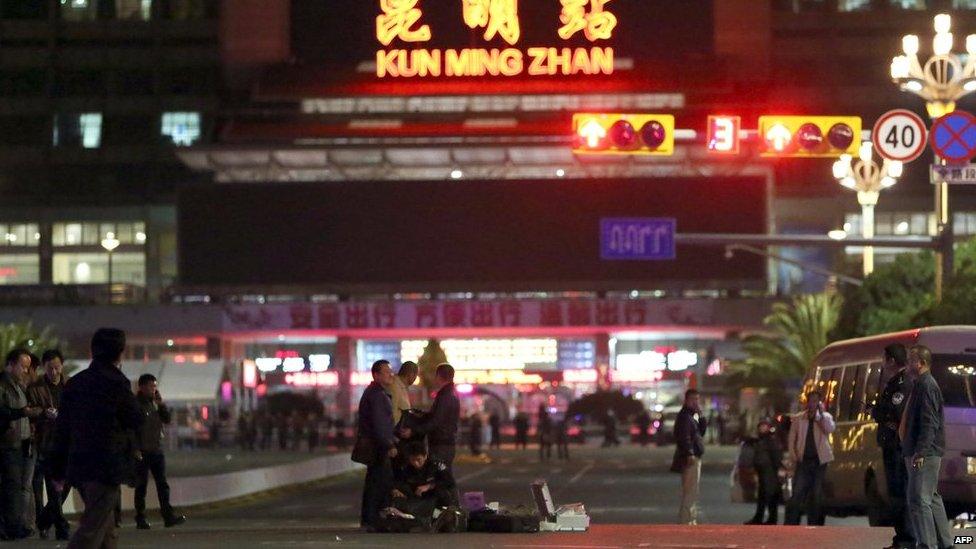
(810, 451)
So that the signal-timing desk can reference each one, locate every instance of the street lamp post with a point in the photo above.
(110, 243)
(941, 80)
(867, 178)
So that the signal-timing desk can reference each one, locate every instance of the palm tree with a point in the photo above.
(23, 335)
(796, 332)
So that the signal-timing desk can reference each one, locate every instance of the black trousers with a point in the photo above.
(96, 529)
(11, 494)
(807, 493)
(155, 463)
(769, 493)
(376, 490)
(444, 453)
(896, 476)
(50, 513)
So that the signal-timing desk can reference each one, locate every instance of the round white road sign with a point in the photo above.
(899, 135)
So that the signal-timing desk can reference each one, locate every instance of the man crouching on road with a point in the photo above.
(689, 428)
(423, 485)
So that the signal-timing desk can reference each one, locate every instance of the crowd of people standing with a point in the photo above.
(91, 435)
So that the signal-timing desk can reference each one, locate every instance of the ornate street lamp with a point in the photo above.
(867, 178)
(941, 80)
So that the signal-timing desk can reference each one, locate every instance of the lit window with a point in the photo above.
(78, 130)
(183, 128)
(19, 234)
(853, 5)
(78, 10)
(20, 269)
(137, 10)
(964, 4)
(92, 268)
(909, 4)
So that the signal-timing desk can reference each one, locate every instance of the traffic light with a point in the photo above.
(723, 134)
(809, 136)
(616, 133)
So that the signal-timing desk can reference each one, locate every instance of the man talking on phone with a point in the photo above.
(155, 414)
(810, 453)
(922, 433)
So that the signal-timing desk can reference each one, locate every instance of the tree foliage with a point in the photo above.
(23, 335)
(427, 363)
(899, 295)
(795, 333)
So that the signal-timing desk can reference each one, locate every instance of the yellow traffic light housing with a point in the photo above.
(809, 136)
(617, 133)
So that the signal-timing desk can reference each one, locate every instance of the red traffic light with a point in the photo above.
(840, 136)
(653, 134)
(623, 134)
(809, 136)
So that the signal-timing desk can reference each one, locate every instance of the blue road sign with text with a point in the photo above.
(637, 238)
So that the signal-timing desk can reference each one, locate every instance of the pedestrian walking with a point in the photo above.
(495, 425)
(689, 428)
(521, 430)
(562, 438)
(30, 463)
(888, 409)
(400, 389)
(922, 432)
(441, 424)
(297, 424)
(544, 428)
(610, 429)
(98, 415)
(643, 426)
(810, 452)
(475, 433)
(266, 423)
(242, 421)
(155, 414)
(312, 424)
(376, 445)
(720, 421)
(284, 428)
(15, 445)
(45, 394)
(767, 458)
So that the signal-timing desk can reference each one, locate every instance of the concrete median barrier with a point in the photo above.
(188, 491)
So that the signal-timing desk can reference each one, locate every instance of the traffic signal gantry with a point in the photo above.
(795, 136)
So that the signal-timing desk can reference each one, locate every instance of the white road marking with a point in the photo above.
(582, 472)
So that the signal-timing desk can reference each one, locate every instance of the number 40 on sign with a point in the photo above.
(899, 135)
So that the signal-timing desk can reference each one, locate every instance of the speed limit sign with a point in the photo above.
(899, 135)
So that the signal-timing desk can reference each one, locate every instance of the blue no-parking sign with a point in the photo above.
(953, 137)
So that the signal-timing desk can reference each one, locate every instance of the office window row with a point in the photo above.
(90, 233)
(124, 10)
(798, 6)
(19, 235)
(910, 223)
(85, 130)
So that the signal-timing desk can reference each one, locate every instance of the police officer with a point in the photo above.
(887, 412)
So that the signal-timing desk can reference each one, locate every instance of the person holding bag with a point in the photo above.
(376, 445)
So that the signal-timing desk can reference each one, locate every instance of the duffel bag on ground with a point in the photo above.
(505, 521)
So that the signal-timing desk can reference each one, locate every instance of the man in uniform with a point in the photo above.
(422, 484)
(887, 412)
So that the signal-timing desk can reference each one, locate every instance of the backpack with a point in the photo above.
(504, 521)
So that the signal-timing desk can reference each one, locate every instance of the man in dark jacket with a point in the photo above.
(441, 424)
(45, 394)
(922, 433)
(376, 427)
(766, 460)
(495, 422)
(887, 412)
(149, 440)
(689, 428)
(92, 438)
